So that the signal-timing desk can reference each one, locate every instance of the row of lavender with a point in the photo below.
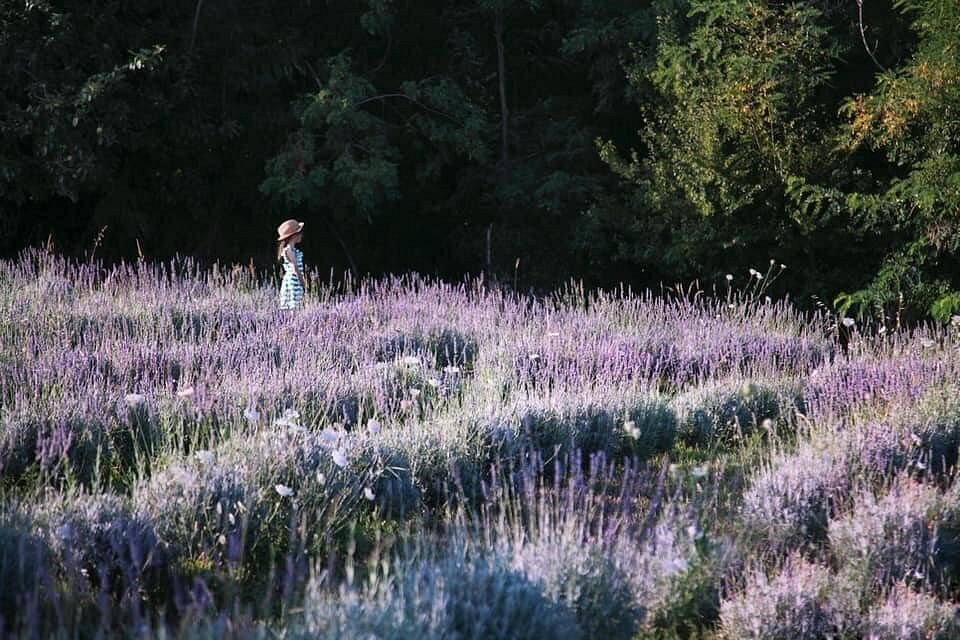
(167, 437)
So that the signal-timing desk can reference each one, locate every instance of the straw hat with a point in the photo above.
(289, 228)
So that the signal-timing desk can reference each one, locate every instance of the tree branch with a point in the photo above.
(384, 96)
(196, 22)
(863, 36)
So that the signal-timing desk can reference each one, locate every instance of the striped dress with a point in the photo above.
(291, 291)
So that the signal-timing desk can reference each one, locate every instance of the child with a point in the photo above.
(293, 284)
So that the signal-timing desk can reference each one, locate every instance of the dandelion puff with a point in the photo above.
(729, 277)
(283, 490)
(204, 456)
(368, 493)
(758, 275)
(339, 458)
(373, 426)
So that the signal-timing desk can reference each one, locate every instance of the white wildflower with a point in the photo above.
(339, 458)
(848, 322)
(729, 277)
(699, 472)
(368, 493)
(204, 456)
(414, 393)
(534, 356)
(283, 490)
(134, 400)
(433, 382)
(927, 343)
(451, 369)
(373, 426)
(412, 361)
(251, 414)
(321, 478)
(329, 437)
(185, 393)
(553, 334)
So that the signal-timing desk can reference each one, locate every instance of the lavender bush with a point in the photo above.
(729, 410)
(176, 455)
(909, 534)
(802, 600)
(908, 615)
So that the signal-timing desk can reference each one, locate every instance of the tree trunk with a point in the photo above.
(502, 75)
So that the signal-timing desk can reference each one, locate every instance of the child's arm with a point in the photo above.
(296, 268)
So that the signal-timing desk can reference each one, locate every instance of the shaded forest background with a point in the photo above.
(537, 141)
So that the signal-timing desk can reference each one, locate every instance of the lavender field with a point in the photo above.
(405, 458)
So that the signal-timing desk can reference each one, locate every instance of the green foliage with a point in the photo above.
(658, 142)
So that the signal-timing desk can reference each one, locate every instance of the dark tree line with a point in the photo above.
(667, 141)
